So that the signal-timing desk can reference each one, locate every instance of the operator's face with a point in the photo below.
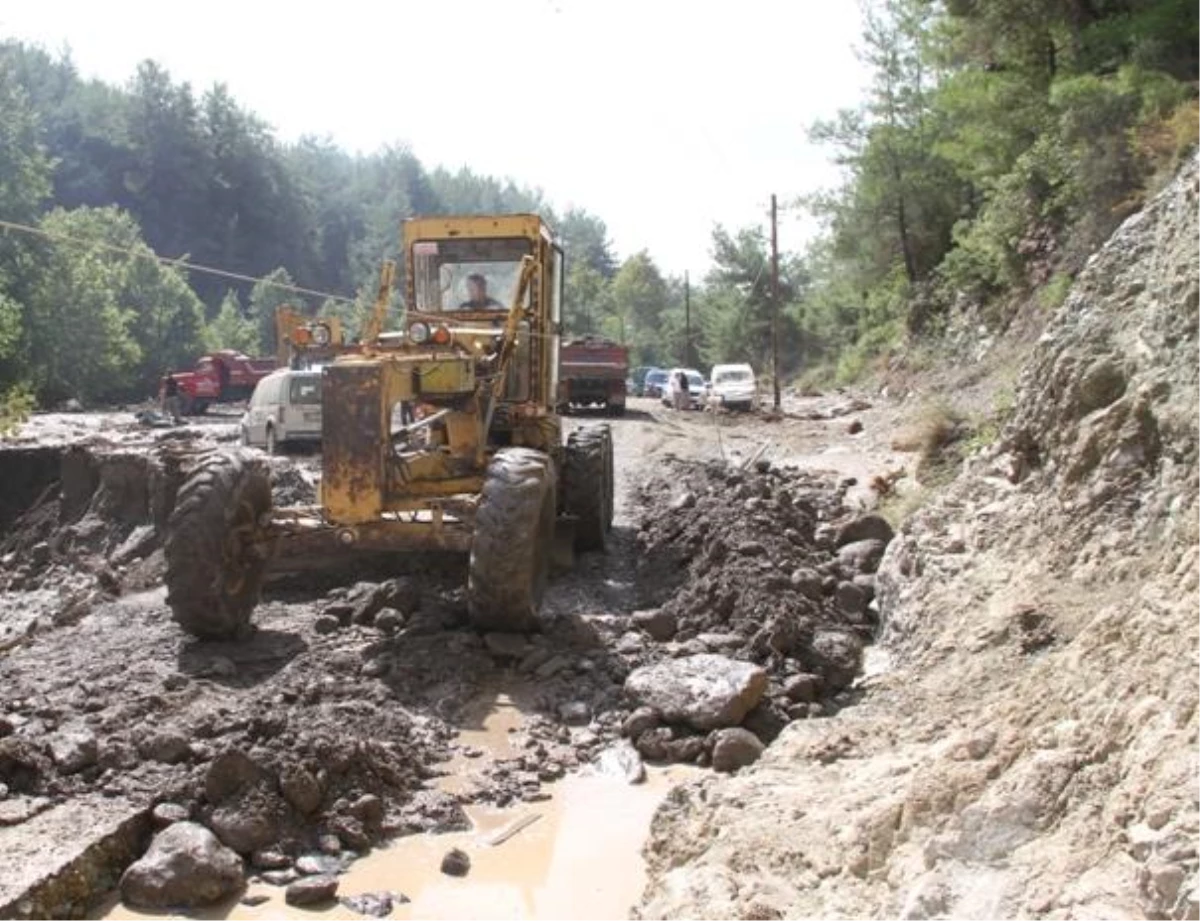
(477, 290)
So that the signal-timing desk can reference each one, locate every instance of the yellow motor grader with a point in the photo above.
(441, 436)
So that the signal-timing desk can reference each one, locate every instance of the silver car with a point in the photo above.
(284, 408)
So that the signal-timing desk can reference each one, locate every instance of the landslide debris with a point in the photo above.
(1032, 750)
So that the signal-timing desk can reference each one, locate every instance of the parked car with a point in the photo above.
(734, 386)
(285, 408)
(697, 387)
(637, 380)
(654, 382)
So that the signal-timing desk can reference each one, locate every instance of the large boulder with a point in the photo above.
(186, 866)
(868, 527)
(704, 691)
(735, 748)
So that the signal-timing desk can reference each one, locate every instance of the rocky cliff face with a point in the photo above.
(1027, 744)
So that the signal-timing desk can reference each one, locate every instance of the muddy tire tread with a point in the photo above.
(587, 477)
(510, 550)
(206, 507)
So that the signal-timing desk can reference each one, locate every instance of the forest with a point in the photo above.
(998, 144)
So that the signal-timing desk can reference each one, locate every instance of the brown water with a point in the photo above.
(580, 858)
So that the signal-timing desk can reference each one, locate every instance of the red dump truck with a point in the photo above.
(219, 377)
(594, 370)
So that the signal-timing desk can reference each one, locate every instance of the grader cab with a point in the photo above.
(440, 436)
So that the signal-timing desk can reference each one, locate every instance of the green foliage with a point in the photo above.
(231, 328)
(16, 403)
(997, 145)
(104, 319)
(1055, 291)
(269, 293)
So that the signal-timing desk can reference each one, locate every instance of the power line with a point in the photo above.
(175, 263)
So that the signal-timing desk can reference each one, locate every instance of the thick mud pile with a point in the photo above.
(765, 566)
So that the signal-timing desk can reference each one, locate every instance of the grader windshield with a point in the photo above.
(473, 275)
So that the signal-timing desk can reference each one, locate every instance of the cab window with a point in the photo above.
(446, 273)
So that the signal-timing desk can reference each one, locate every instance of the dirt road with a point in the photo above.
(353, 728)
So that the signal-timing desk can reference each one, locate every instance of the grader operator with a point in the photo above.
(441, 436)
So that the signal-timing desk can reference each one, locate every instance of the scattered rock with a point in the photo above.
(838, 657)
(623, 761)
(229, 774)
(682, 501)
(766, 721)
(244, 830)
(185, 866)
(575, 713)
(389, 620)
(456, 863)
(74, 751)
(300, 789)
(735, 748)
(803, 688)
(270, 860)
(168, 747)
(868, 527)
(809, 583)
(326, 623)
(851, 598)
(318, 864)
(659, 624)
(253, 901)
(705, 691)
(368, 809)
(22, 764)
(312, 890)
(374, 904)
(861, 556)
(279, 877)
(553, 666)
(165, 814)
(350, 832)
(640, 720)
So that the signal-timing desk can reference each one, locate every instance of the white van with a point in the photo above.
(285, 407)
(734, 387)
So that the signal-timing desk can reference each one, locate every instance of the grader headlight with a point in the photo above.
(419, 332)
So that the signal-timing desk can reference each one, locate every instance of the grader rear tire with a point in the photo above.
(588, 486)
(214, 566)
(510, 552)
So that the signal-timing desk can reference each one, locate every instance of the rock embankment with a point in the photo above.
(1032, 750)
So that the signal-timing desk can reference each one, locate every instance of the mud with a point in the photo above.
(363, 709)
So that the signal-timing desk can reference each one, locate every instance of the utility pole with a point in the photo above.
(687, 321)
(774, 301)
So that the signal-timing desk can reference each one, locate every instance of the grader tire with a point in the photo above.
(214, 568)
(588, 486)
(510, 551)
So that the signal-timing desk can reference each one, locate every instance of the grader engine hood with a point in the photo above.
(357, 435)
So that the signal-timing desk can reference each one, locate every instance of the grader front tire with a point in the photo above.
(214, 561)
(510, 551)
(588, 476)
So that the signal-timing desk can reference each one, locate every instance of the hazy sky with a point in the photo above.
(661, 116)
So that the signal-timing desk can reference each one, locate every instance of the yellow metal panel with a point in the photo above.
(444, 228)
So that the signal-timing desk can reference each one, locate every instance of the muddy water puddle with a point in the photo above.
(575, 855)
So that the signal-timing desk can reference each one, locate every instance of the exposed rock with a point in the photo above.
(621, 760)
(326, 624)
(74, 751)
(868, 527)
(368, 809)
(300, 789)
(851, 598)
(244, 829)
(808, 582)
(318, 864)
(284, 877)
(270, 860)
(229, 774)
(168, 747)
(374, 904)
(575, 713)
(185, 866)
(838, 656)
(705, 691)
(350, 832)
(165, 814)
(659, 624)
(803, 688)
(861, 556)
(389, 620)
(22, 764)
(312, 890)
(735, 748)
(639, 721)
(456, 863)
